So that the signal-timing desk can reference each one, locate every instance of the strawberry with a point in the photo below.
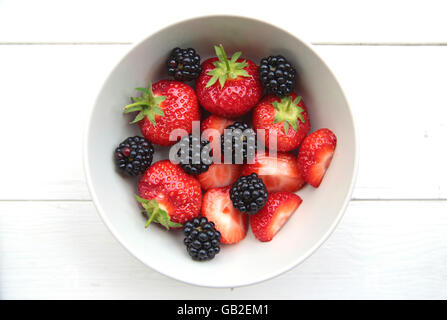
(230, 222)
(278, 209)
(169, 195)
(278, 173)
(286, 118)
(315, 155)
(219, 175)
(228, 87)
(164, 107)
(213, 127)
(216, 123)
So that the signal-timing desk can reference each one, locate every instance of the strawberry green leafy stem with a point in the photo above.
(289, 112)
(147, 105)
(156, 214)
(226, 69)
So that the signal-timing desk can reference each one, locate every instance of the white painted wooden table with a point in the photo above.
(391, 58)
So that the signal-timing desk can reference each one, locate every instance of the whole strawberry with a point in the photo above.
(315, 155)
(286, 118)
(169, 195)
(228, 87)
(164, 107)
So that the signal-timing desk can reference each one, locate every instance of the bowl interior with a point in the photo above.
(249, 261)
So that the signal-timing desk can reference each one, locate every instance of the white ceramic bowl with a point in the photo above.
(249, 261)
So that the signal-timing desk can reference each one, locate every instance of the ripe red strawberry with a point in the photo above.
(228, 87)
(219, 175)
(230, 222)
(286, 117)
(278, 173)
(169, 195)
(216, 123)
(164, 107)
(315, 155)
(278, 209)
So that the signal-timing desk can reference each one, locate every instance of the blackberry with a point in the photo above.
(249, 194)
(184, 64)
(277, 75)
(239, 138)
(134, 155)
(202, 240)
(194, 154)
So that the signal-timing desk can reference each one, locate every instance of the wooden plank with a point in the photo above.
(396, 93)
(46, 93)
(397, 97)
(318, 21)
(380, 250)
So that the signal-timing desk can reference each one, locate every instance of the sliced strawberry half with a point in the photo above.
(230, 222)
(214, 122)
(278, 209)
(315, 155)
(279, 173)
(219, 175)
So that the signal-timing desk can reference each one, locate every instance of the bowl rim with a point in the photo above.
(269, 275)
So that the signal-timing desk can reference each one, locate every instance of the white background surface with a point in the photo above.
(391, 59)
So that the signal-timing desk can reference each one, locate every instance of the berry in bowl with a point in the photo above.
(233, 161)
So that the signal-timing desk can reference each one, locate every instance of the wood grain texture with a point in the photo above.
(349, 21)
(397, 97)
(396, 94)
(381, 249)
(46, 93)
